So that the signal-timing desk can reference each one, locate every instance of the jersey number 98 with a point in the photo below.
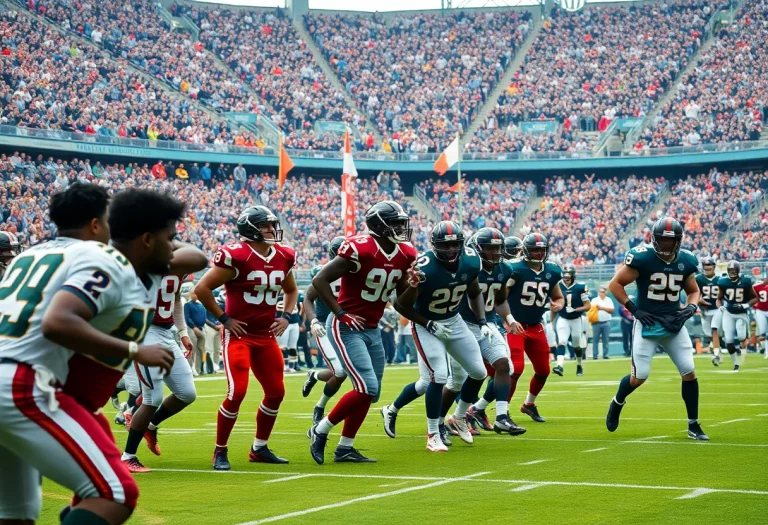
(379, 285)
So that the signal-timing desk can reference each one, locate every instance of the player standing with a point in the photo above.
(371, 268)
(711, 316)
(253, 273)
(569, 320)
(316, 310)
(288, 341)
(761, 311)
(661, 273)
(734, 297)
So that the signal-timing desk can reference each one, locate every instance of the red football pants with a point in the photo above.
(533, 343)
(261, 355)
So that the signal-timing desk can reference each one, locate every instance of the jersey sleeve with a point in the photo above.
(506, 274)
(585, 293)
(97, 275)
(290, 257)
(353, 250)
(634, 257)
(557, 274)
(692, 264)
(226, 257)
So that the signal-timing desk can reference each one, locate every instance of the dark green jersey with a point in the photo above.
(295, 315)
(659, 283)
(442, 290)
(709, 290)
(735, 292)
(490, 283)
(321, 310)
(575, 297)
(529, 297)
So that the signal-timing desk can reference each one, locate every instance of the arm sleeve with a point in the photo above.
(95, 277)
(179, 321)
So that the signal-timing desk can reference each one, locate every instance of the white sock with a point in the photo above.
(259, 442)
(393, 409)
(716, 350)
(127, 456)
(735, 358)
(481, 404)
(324, 426)
(440, 420)
(560, 360)
(323, 401)
(530, 400)
(346, 442)
(151, 426)
(461, 408)
(432, 426)
(578, 360)
(502, 408)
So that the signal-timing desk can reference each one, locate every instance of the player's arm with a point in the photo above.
(290, 296)
(692, 292)
(328, 274)
(476, 302)
(214, 278)
(180, 322)
(625, 276)
(502, 308)
(720, 298)
(187, 259)
(587, 304)
(751, 296)
(315, 326)
(556, 299)
(404, 306)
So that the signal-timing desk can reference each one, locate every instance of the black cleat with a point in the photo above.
(558, 370)
(579, 370)
(445, 435)
(504, 424)
(716, 360)
(264, 455)
(478, 417)
(317, 448)
(736, 368)
(220, 459)
(533, 412)
(612, 419)
(390, 418)
(318, 413)
(695, 432)
(350, 455)
(309, 384)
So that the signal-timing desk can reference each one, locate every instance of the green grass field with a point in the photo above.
(567, 470)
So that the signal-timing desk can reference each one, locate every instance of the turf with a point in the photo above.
(648, 471)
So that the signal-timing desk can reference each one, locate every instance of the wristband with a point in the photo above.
(482, 322)
(629, 305)
(183, 333)
(223, 318)
(510, 319)
(133, 349)
(341, 313)
(285, 315)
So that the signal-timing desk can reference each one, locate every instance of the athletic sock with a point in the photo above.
(408, 394)
(259, 442)
(461, 408)
(502, 408)
(324, 426)
(322, 401)
(560, 360)
(133, 441)
(625, 388)
(160, 415)
(346, 441)
(530, 399)
(481, 404)
(690, 392)
(432, 426)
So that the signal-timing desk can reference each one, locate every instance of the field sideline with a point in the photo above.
(568, 470)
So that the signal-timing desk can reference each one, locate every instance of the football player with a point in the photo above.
(316, 309)
(289, 340)
(87, 307)
(711, 316)
(661, 273)
(513, 248)
(371, 268)
(448, 351)
(735, 295)
(9, 248)
(569, 320)
(532, 285)
(253, 272)
(761, 311)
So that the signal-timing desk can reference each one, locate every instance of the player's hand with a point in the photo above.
(236, 327)
(555, 307)
(723, 309)
(485, 331)
(355, 322)
(647, 319)
(439, 330)
(514, 328)
(570, 309)
(279, 326)
(186, 342)
(415, 276)
(155, 355)
(317, 328)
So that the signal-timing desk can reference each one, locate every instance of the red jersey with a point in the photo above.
(366, 290)
(252, 294)
(166, 300)
(761, 289)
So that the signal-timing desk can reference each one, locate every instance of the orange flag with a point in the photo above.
(456, 187)
(286, 165)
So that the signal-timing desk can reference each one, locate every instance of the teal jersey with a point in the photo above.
(735, 292)
(490, 283)
(296, 315)
(442, 290)
(575, 296)
(659, 283)
(529, 297)
(709, 289)
(321, 310)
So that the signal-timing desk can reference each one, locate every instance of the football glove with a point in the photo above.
(723, 309)
(485, 330)
(570, 309)
(646, 318)
(317, 328)
(739, 307)
(439, 330)
(355, 322)
(674, 322)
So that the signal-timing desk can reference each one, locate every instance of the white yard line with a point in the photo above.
(289, 478)
(729, 422)
(595, 449)
(696, 493)
(523, 488)
(653, 437)
(534, 462)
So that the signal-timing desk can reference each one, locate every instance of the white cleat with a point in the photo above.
(459, 425)
(435, 444)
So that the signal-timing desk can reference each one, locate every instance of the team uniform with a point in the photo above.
(570, 325)
(50, 397)
(735, 317)
(711, 317)
(322, 312)
(251, 297)
(761, 313)
(289, 339)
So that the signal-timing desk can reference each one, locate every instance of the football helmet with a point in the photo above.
(9, 248)
(513, 247)
(569, 274)
(667, 236)
(447, 241)
(252, 219)
(708, 266)
(333, 246)
(489, 245)
(734, 270)
(535, 248)
(388, 219)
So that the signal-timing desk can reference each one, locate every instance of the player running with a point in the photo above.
(371, 268)
(448, 350)
(316, 310)
(569, 322)
(735, 295)
(253, 272)
(711, 316)
(531, 287)
(661, 273)
(9, 248)
(761, 311)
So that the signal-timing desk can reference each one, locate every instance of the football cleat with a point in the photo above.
(220, 459)
(390, 419)
(318, 413)
(350, 455)
(479, 417)
(472, 428)
(115, 402)
(150, 436)
(506, 425)
(120, 419)
(612, 419)
(264, 455)
(317, 448)
(736, 368)
(459, 425)
(558, 370)
(695, 432)
(435, 444)
(134, 466)
(309, 384)
(579, 370)
(128, 415)
(716, 360)
(445, 436)
(533, 412)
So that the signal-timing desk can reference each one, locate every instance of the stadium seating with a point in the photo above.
(751, 242)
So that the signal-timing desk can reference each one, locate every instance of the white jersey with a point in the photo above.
(99, 274)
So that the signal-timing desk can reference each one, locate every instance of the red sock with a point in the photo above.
(347, 406)
(354, 421)
(225, 421)
(537, 383)
(266, 417)
(512, 385)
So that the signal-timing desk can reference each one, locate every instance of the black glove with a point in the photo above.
(739, 307)
(646, 318)
(675, 321)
